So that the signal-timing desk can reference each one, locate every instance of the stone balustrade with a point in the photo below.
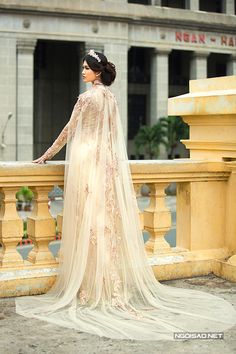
(206, 202)
(201, 239)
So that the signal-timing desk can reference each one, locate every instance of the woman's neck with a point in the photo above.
(97, 82)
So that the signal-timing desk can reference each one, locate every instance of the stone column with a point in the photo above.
(156, 2)
(159, 84)
(25, 88)
(192, 5)
(230, 231)
(7, 98)
(81, 52)
(198, 65)
(228, 7)
(98, 47)
(211, 118)
(231, 65)
(118, 54)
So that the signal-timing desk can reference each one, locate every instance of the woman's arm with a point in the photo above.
(55, 147)
(61, 140)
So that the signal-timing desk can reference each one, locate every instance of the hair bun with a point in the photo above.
(109, 73)
(110, 67)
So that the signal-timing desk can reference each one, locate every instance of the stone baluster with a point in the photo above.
(41, 227)
(157, 220)
(137, 187)
(11, 228)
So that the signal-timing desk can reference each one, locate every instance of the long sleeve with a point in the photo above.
(63, 137)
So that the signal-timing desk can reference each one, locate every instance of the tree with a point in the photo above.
(175, 130)
(149, 138)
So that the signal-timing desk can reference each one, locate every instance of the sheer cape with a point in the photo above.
(105, 285)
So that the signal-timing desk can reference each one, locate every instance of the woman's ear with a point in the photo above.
(98, 74)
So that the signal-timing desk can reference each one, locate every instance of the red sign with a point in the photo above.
(201, 38)
(188, 37)
(230, 41)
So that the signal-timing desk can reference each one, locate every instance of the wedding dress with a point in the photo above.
(105, 285)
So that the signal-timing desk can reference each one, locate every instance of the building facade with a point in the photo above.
(157, 47)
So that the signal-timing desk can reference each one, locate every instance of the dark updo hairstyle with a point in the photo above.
(107, 69)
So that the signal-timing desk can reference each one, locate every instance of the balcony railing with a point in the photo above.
(206, 203)
(201, 220)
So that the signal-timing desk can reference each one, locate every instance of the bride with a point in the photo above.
(105, 285)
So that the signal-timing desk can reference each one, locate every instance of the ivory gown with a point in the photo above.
(105, 285)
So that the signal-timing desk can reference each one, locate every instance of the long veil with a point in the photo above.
(105, 285)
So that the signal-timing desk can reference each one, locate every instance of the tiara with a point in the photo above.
(94, 55)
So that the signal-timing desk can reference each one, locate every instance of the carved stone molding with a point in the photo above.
(26, 46)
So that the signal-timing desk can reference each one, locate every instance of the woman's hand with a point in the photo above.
(41, 159)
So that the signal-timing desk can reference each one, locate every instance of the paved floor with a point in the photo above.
(25, 336)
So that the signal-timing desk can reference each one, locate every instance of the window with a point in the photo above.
(211, 6)
(178, 4)
(136, 114)
(141, 2)
(139, 65)
(217, 65)
(179, 66)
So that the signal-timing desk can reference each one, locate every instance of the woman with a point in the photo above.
(105, 285)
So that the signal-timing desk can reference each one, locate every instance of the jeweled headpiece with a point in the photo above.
(94, 55)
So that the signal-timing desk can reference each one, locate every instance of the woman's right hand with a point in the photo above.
(41, 159)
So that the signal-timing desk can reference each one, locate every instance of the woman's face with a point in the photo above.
(88, 74)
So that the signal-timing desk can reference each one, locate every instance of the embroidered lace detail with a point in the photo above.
(83, 297)
(107, 231)
(93, 237)
(116, 282)
(117, 296)
(112, 171)
(112, 168)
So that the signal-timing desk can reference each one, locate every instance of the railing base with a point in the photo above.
(32, 281)
(182, 263)
(174, 265)
(225, 270)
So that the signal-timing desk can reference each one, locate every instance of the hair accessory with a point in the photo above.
(94, 55)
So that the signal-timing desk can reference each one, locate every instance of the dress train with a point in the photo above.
(105, 285)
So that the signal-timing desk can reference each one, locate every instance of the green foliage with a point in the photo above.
(175, 130)
(168, 131)
(148, 140)
(24, 195)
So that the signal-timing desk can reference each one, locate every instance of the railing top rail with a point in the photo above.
(13, 173)
(181, 170)
(17, 173)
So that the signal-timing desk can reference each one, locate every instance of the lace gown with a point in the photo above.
(105, 285)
